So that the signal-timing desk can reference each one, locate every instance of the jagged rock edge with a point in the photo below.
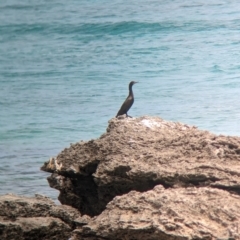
(166, 182)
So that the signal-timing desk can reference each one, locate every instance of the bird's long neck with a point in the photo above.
(130, 91)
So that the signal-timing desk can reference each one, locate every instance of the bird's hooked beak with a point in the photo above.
(135, 82)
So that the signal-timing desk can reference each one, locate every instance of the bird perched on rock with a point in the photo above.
(128, 102)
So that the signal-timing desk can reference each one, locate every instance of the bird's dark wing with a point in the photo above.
(126, 106)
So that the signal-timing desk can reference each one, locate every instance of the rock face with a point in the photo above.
(147, 178)
(25, 218)
(183, 213)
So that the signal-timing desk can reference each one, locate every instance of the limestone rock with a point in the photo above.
(168, 214)
(26, 218)
(138, 154)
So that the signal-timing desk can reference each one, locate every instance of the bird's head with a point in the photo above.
(132, 83)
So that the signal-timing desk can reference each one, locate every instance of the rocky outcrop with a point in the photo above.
(26, 218)
(138, 154)
(168, 214)
(147, 178)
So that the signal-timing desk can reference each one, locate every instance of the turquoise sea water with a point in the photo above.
(65, 68)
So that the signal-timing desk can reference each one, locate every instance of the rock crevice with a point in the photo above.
(145, 178)
(138, 154)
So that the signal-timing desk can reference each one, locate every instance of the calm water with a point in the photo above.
(65, 68)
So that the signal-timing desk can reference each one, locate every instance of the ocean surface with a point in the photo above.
(65, 68)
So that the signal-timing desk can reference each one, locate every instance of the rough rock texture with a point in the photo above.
(137, 154)
(134, 156)
(169, 214)
(25, 218)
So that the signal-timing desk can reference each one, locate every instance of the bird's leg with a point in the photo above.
(128, 115)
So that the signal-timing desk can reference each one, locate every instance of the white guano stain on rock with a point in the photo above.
(150, 123)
